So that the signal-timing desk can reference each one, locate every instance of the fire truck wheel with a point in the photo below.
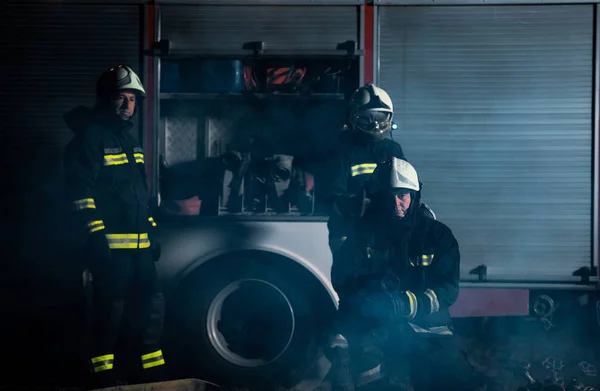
(243, 322)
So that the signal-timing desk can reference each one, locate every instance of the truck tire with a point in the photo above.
(242, 321)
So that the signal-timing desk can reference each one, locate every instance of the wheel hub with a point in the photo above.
(250, 323)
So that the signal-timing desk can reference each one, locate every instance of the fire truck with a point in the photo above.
(496, 105)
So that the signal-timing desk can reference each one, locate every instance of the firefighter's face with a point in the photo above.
(402, 203)
(124, 104)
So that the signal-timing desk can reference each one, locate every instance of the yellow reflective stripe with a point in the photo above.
(153, 359)
(435, 303)
(153, 364)
(151, 220)
(103, 363)
(128, 241)
(85, 203)
(102, 358)
(139, 157)
(426, 259)
(365, 168)
(104, 367)
(412, 300)
(96, 225)
(156, 354)
(113, 160)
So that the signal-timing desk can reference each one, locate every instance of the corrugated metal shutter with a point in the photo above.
(494, 106)
(52, 58)
(224, 29)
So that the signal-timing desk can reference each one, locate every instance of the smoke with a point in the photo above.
(297, 127)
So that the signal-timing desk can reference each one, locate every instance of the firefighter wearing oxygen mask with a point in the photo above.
(396, 275)
(364, 143)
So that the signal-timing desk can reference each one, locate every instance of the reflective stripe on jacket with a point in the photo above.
(106, 181)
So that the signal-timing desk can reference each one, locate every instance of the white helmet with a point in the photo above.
(394, 174)
(119, 78)
(371, 111)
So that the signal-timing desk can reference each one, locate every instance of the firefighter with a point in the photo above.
(106, 183)
(365, 142)
(396, 275)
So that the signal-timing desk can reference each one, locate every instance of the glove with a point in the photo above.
(97, 246)
(387, 306)
(155, 246)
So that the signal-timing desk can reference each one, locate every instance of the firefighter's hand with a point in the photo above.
(98, 247)
(387, 306)
(155, 247)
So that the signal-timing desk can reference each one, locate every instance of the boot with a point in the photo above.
(340, 374)
(154, 375)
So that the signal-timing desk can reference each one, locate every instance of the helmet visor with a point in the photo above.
(373, 121)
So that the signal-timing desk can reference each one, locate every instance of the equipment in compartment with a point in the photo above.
(269, 181)
(263, 154)
(272, 185)
(233, 183)
(236, 165)
(304, 77)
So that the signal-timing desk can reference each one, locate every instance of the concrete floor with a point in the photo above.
(42, 350)
(43, 340)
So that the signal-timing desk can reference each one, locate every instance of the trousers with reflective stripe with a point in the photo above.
(126, 287)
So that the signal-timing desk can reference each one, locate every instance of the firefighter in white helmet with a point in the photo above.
(396, 275)
(106, 182)
(364, 143)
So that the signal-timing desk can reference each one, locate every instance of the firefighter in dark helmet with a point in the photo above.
(364, 142)
(396, 276)
(106, 182)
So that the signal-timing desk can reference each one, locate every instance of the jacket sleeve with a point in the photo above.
(344, 267)
(347, 271)
(83, 158)
(336, 177)
(140, 157)
(393, 149)
(140, 162)
(396, 151)
(442, 278)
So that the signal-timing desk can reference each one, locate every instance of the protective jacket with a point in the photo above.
(106, 180)
(351, 167)
(348, 172)
(424, 262)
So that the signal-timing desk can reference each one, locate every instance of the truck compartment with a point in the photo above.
(250, 137)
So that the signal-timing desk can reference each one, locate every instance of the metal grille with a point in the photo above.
(226, 28)
(494, 105)
(181, 146)
(52, 58)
